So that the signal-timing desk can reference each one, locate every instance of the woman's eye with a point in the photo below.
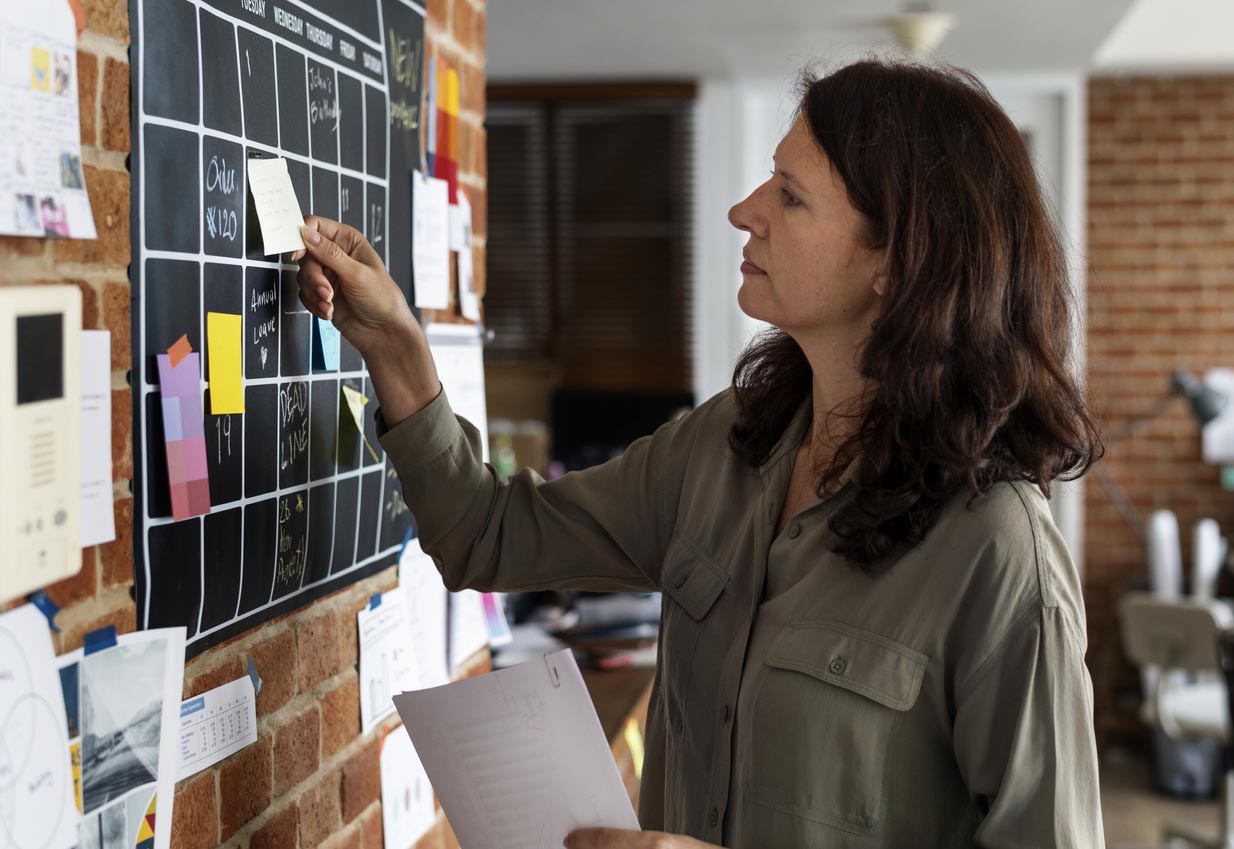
(789, 198)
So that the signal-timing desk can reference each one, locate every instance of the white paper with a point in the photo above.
(468, 300)
(124, 704)
(278, 210)
(216, 725)
(407, 810)
(430, 244)
(468, 629)
(425, 596)
(544, 768)
(98, 522)
(1219, 433)
(37, 805)
(42, 183)
(458, 352)
(387, 661)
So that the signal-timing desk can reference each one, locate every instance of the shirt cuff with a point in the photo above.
(422, 436)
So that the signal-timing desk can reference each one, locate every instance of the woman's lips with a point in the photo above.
(748, 267)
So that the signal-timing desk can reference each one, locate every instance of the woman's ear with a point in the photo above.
(880, 284)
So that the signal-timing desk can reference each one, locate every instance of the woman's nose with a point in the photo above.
(745, 216)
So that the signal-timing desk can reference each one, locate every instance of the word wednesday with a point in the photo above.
(291, 23)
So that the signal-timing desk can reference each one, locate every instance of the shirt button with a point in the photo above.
(837, 666)
(713, 818)
(794, 530)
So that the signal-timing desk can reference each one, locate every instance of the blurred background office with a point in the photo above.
(619, 134)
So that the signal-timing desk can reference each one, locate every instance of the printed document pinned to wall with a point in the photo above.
(546, 768)
(458, 351)
(98, 521)
(37, 805)
(42, 184)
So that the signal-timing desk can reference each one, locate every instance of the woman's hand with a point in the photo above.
(617, 838)
(342, 279)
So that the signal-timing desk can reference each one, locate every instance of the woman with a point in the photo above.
(872, 634)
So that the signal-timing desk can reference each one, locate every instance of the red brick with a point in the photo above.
(109, 200)
(194, 818)
(207, 675)
(108, 18)
(362, 779)
(318, 644)
(320, 810)
(297, 747)
(340, 715)
(371, 826)
(479, 210)
(117, 556)
(349, 636)
(81, 586)
(88, 96)
(121, 434)
(479, 273)
(276, 664)
(280, 831)
(481, 25)
(123, 617)
(438, 15)
(462, 25)
(116, 118)
(22, 246)
(117, 309)
(245, 786)
(472, 93)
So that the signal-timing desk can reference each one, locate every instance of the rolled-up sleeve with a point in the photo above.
(1024, 739)
(601, 529)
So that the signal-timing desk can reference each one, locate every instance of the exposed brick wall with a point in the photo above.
(311, 779)
(1160, 297)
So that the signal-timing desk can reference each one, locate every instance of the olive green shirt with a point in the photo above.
(799, 702)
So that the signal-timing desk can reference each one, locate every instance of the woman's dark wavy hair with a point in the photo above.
(969, 358)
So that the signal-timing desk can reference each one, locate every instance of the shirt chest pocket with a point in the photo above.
(691, 583)
(825, 718)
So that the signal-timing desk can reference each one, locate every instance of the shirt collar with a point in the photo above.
(790, 441)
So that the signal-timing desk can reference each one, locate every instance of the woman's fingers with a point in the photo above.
(329, 254)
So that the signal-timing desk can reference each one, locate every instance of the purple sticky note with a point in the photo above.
(183, 380)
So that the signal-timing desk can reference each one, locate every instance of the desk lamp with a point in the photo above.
(1205, 404)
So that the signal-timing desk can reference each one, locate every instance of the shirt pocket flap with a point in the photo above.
(691, 579)
(873, 666)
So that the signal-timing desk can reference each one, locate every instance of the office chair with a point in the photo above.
(1180, 638)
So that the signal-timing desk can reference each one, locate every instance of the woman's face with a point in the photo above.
(807, 270)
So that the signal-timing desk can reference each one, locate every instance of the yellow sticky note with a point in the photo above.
(355, 404)
(224, 340)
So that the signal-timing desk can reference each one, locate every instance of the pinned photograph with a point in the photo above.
(64, 73)
(26, 212)
(55, 220)
(70, 171)
(121, 719)
(40, 69)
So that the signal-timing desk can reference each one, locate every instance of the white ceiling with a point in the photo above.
(546, 39)
(1171, 35)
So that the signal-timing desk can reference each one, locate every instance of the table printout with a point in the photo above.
(544, 768)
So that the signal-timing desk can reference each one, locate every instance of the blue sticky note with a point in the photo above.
(325, 345)
(46, 606)
(103, 638)
(374, 601)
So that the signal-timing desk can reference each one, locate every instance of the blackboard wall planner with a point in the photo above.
(299, 508)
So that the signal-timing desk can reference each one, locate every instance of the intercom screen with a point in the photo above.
(40, 357)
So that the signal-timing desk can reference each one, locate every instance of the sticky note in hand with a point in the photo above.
(278, 210)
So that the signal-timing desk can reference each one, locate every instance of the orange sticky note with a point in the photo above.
(179, 350)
